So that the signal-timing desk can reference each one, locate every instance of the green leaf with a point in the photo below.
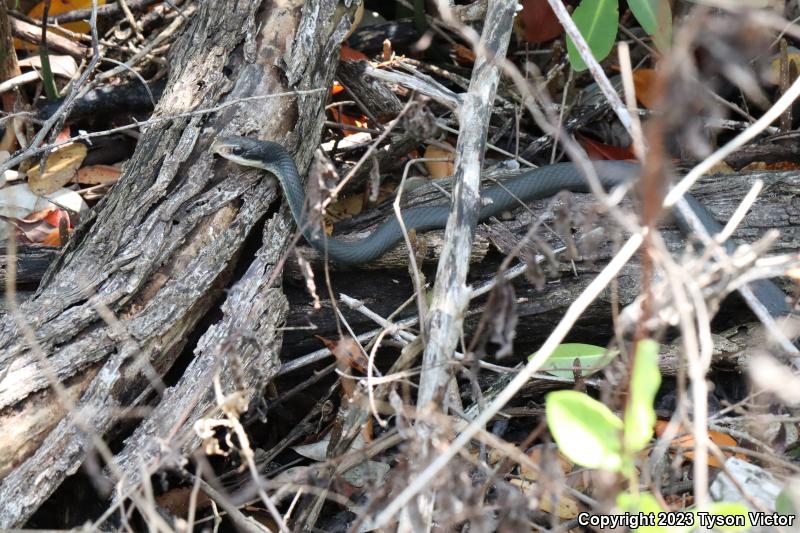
(592, 358)
(640, 417)
(655, 17)
(586, 431)
(597, 21)
(645, 503)
(788, 498)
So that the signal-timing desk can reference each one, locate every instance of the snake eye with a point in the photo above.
(236, 150)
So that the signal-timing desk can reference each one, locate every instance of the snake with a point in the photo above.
(534, 184)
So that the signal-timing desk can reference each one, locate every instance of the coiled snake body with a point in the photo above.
(532, 185)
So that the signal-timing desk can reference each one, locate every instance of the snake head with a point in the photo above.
(248, 152)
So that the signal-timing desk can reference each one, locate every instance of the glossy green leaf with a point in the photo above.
(640, 417)
(591, 359)
(655, 17)
(586, 431)
(597, 21)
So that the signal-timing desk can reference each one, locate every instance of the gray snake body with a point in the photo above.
(532, 185)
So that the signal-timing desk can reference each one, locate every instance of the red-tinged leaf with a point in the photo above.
(47, 226)
(539, 21)
(37, 216)
(63, 135)
(57, 218)
(351, 54)
(347, 350)
(604, 152)
(36, 231)
(644, 82)
(463, 55)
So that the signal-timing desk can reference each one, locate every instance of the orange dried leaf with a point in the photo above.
(58, 7)
(644, 83)
(53, 238)
(686, 443)
(48, 226)
(64, 135)
(359, 121)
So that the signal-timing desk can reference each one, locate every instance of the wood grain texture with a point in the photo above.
(162, 245)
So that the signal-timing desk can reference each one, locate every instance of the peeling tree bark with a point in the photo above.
(115, 310)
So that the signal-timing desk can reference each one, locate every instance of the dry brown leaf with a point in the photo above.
(721, 168)
(538, 22)
(536, 456)
(463, 54)
(440, 169)
(62, 165)
(350, 206)
(97, 175)
(61, 65)
(566, 507)
(177, 500)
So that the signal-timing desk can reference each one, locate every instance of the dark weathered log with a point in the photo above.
(137, 278)
(375, 95)
(31, 261)
(540, 310)
(104, 101)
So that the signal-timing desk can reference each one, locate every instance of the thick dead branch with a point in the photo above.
(374, 95)
(449, 293)
(32, 33)
(138, 278)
